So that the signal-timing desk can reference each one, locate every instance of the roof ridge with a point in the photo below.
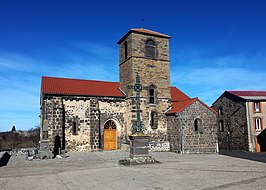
(148, 30)
(69, 86)
(143, 31)
(246, 90)
(247, 93)
(77, 79)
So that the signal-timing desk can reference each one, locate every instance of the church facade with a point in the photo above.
(87, 115)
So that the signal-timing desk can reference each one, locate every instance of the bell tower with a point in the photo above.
(146, 53)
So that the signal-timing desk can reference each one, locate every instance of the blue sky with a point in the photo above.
(215, 46)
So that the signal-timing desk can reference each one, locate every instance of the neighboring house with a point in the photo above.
(82, 115)
(241, 118)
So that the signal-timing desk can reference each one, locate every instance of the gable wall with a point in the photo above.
(235, 134)
(181, 130)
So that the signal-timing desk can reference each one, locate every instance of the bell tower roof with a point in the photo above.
(143, 31)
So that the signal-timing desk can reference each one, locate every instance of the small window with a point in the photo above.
(198, 126)
(74, 128)
(45, 129)
(152, 94)
(221, 125)
(258, 124)
(150, 49)
(220, 111)
(45, 135)
(256, 106)
(154, 120)
(125, 50)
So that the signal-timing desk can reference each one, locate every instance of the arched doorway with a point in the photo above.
(57, 146)
(110, 135)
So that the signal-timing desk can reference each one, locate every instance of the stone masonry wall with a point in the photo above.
(174, 133)
(182, 134)
(235, 133)
(151, 71)
(113, 110)
(78, 110)
(53, 114)
(84, 112)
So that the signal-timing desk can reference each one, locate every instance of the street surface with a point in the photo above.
(100, 171)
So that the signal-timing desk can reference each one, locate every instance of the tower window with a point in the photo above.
(152, 94)
(150, 49)
(125, 50)
(154, 120)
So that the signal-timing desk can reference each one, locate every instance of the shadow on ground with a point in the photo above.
(259, 157)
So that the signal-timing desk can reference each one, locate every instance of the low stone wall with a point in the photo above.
(163, 146)
(22, 151)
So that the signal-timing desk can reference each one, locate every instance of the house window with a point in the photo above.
(74, 128)
(256, 106)
(198, 126)
(221, 125)
(125, 50)
(154, 120)
(152, 94)
(150, 49)
(258, 124)
(220, 111)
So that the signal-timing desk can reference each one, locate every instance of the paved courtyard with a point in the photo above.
(100, 170)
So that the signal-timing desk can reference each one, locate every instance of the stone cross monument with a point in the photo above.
(139, 142)
(137, 126)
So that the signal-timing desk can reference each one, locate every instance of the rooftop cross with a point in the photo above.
(137, 126)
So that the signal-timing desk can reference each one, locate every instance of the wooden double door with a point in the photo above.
(110, 136)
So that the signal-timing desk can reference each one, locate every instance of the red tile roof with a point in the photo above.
(143, 31)
(178, 107)
(177, 95)
(180, 101)
(248, 93)
(67, 86)
(150, 32)
(52, 85)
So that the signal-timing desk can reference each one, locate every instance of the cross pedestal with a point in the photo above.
(139, 146)
(139, 151)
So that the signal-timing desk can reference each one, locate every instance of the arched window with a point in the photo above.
(152, 94)
(221, 125)
(220, 111)
(150, 49)
(45, 129)
(125, 50)
(154, 120)
(110, 124)
(198, 126)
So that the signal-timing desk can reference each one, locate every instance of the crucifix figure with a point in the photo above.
(137, 126)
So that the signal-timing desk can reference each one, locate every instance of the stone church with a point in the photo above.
(88, 115)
